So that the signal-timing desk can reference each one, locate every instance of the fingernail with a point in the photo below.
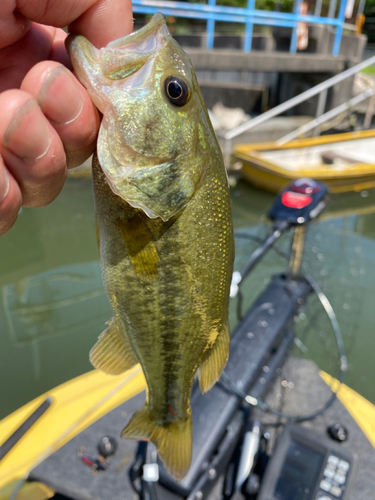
(60, 97)
(4, 180)
(27, 135)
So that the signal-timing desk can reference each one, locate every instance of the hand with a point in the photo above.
(47, 121)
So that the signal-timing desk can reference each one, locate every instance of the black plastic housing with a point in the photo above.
(303, 191)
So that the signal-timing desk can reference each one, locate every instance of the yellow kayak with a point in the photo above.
(78, 403)
(344, 162)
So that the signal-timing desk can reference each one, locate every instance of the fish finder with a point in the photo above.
(308, 466)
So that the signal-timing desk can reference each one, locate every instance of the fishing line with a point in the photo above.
(252, 401)
(55, 445)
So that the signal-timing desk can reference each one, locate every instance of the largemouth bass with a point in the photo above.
(164, 227)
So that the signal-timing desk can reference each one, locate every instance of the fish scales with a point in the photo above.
(164, 228)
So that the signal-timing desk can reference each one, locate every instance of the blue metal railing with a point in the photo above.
(248, 16)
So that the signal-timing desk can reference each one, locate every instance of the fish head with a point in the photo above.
(155, 134)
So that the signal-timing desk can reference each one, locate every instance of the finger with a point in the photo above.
(101, 21)
(17, 59)
(66, 104)
(105, 21)
(10, 199)
(58, 51)
(13, 25)
(31, 149)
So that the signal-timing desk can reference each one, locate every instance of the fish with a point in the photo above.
(164, 227)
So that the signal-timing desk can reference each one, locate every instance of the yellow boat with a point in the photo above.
(80, 402)
(344, 162)
(76, 404)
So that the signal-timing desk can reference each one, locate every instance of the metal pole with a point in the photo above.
(332, 8)
(249, 26)
(294, 39)
(339, 29)
(297, 100)
(327, 116)
(320, 109)
(361, 7)
(211, 28)
(297, 250)
(318, 8)
(369, 112)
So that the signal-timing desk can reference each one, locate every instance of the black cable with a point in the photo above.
(238, 234)
(277, 230)
(335, 325)
(342, 357)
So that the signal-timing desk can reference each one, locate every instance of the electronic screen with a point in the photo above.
(299, 473)
(307, 465)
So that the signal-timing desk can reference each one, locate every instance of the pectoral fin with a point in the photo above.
(214, 361)
(111, 354)
(141, 247)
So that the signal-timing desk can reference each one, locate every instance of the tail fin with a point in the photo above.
(173, 440)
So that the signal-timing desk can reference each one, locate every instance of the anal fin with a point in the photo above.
(214, 360)
(110, 353)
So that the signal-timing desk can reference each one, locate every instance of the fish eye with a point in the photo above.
(177, 90)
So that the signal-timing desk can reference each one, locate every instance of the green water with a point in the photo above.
(53, 307)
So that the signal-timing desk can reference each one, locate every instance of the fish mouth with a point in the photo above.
(124, 56)
(120, 58)
(157, 23)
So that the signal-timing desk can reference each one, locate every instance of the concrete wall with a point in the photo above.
(269, 74)
(259, 41)
(320, 42)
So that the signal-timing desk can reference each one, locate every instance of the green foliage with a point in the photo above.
(270, 5)
(369, 8)
(282, 5)
(232, 3)
(369, 71)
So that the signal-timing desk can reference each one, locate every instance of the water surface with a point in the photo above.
(53, 305)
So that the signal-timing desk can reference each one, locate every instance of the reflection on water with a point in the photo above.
(52, 303)
(64, 300)
(53, 307)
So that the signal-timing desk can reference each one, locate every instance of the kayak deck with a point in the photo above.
(65, 473)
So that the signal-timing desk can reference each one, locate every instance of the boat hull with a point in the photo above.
(266, 165)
